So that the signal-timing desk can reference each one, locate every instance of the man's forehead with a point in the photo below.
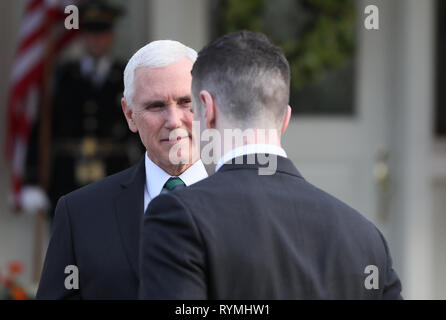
(162, 91)
(158, 77)
(181, 67)
(143, 74)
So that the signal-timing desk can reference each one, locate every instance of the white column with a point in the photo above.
(185, 21)
(414, 102)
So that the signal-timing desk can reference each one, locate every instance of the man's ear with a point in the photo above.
(286, 120)
(128, 113)
(210, 112)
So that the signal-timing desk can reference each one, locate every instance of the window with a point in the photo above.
(440, 105)
(318, 38)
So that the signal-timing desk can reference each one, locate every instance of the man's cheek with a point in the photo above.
(189, 117)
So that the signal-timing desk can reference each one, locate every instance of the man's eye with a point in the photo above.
(154, 107)
(186, 102)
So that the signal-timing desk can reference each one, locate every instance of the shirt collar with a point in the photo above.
(95, 69)
(250, 149)
(158, 176)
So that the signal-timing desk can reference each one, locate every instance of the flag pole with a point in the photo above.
(45, 120)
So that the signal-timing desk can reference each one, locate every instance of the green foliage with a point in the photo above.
(237, 15)
(326, 42)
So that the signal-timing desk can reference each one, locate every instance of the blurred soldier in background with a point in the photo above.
(89, 135)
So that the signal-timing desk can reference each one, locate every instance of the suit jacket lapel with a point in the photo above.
(129, 212)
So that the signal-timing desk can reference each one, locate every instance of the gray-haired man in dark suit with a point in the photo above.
(256, 229)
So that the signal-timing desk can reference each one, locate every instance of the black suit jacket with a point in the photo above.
(240, 235)
(96, 228)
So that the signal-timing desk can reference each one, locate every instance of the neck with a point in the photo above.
(175, 170)
(233, 139)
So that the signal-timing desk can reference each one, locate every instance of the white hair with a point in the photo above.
(155, 54)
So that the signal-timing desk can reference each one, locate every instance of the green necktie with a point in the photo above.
(173, 183)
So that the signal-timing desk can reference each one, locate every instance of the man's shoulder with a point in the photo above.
(228, 186)
(205, 188)
(105, 188)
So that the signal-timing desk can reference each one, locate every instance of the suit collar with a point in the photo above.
(250, 149)
(129, 206)
(284, 165)
(156, 177)
(136, 174)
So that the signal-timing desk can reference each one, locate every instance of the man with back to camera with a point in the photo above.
(249, 231)
(97, 227)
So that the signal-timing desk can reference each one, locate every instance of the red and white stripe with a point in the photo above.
(41, 18)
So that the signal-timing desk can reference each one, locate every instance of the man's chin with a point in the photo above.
(177, 168)
(179, 152)
(180, 158)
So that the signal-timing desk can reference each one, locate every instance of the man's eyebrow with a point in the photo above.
(154, 103)
(187, 97)
(151, 103)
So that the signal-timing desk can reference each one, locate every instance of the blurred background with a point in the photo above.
(368, 126)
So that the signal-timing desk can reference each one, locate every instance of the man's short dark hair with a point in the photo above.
(247, 75)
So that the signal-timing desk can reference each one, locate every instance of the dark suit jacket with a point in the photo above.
(96, 228)
(240, 235)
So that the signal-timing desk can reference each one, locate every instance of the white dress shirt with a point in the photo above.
(96, 70)
(250, 149)
(157, 177)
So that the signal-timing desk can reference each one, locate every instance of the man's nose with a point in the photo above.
(173, 117)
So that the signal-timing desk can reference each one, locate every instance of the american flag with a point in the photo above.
(42, 35)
